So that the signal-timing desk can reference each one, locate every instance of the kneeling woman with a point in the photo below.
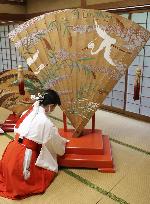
(29, 162)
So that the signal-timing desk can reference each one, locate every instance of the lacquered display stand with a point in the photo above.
(91, 150)
(8, 125)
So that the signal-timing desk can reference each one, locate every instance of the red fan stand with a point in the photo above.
(10, 122)
(91, 150)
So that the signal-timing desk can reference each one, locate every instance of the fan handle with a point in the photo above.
(65, 122)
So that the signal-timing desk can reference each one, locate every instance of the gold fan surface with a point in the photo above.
(14, 101)
(80, 53)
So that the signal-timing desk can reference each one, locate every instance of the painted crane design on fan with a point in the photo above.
(106, 44)
(32, 59)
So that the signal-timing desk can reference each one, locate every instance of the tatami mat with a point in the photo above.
(125, 129)
(130, 183)
(106, 200)
(135, 188)
(4, 113)
(66, 190)
(130, 166)
(3, 143)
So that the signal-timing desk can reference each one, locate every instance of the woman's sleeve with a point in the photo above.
(56, 143)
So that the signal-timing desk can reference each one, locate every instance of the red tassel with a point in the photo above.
(21, 88)
(137, 85)
(21, 81)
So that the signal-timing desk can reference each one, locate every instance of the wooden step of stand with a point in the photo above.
(91, 150)
(77, 145)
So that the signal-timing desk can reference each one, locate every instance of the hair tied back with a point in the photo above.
(37, 98)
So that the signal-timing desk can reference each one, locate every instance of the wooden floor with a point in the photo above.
(130, 141)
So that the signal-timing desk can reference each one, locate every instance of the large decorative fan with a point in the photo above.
(81, 54)
(9, 92)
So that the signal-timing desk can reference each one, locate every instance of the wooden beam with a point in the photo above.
(15, 2)
(13, 17)
(21, 17)
(125, 113)
(25, 17)
(119, 5)
(83, 3)
(130, 10)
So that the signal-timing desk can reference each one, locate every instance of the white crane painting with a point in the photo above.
(106, 44)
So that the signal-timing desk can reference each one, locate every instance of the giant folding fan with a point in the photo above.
(81, 54)
(9, 92)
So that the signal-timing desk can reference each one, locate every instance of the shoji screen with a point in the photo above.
(122, 98)
(9, 56)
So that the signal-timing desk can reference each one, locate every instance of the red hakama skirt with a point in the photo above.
(12, 182)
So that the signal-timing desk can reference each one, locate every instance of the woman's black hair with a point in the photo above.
(50, 97)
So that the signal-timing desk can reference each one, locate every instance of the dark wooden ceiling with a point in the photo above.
(120, 6)
(14, 2)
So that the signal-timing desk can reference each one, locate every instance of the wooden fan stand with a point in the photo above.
(91, 150)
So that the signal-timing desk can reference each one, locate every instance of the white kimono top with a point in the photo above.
(38, 128)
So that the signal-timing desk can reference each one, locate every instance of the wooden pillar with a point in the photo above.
(65, 122)
(83, 3)
(126, 80)
(93, 123)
